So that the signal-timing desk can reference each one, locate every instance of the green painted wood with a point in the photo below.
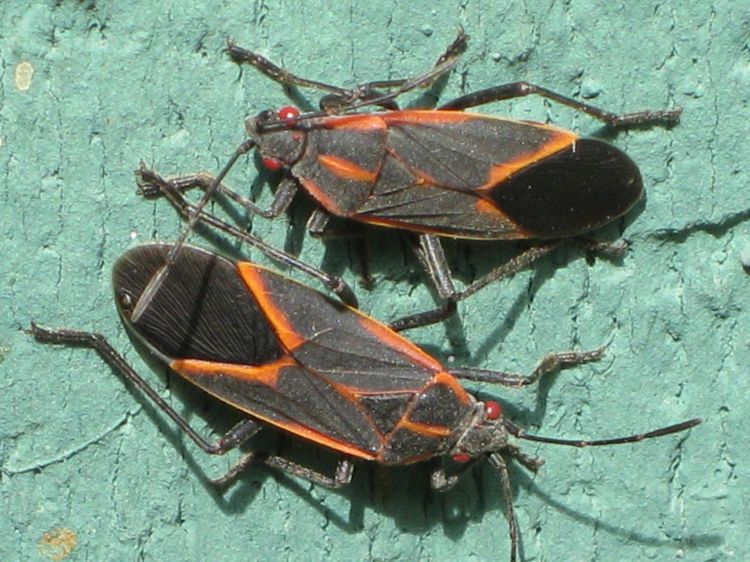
(116, 83)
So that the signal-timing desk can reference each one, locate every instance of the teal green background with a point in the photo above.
(120, 82)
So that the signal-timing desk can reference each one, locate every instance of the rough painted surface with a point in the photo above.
(87, 91)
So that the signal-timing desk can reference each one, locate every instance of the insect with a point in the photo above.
(437, 173)
(287, 356)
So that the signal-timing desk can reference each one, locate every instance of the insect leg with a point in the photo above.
(665, 117)
(318, 221)
(363, 95)
(341, 477)
(151, 185)
(443, 480)
(426, 318)
(500, 465)
(186, 210)
(432, 257)
(549, 364)
(509, 268)
(275, 72)
(371, 93)
(237, 435)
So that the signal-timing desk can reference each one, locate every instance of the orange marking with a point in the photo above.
(252, 276)
(352, 395)
(360, 122)
(346, 169)
(399, 343)
(559, 140)
(488, 208)
(320, 438)
(424, 179)
(411, 227)
(266, 373)
(452, 382)
(428, 430)
(437, 230)
(321, 197)
(427, 117)
(395, 223)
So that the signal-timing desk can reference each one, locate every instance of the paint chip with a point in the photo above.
(57, 544)
(22, 75)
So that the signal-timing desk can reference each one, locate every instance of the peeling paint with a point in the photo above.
(57, 544)
(22, 75)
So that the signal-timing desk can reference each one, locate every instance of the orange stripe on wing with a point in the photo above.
(427, 117)
(395, 223)
(487, 207)
(321, 197)
(559, 139)
(252, 277)
(428, 430)
(322, 439)
(395, 341)
(452, 382)
(266, 373)
(359, 122)
(346, 169)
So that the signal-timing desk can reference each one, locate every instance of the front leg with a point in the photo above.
(151, 185)
(189, 211)
(549, 364)
(382, 93)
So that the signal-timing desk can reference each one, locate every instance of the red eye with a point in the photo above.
(462, 457)
(273, 164)
(288, 113)
(492, 410)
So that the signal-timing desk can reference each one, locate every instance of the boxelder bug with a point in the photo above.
(440, 172)
(288, 356)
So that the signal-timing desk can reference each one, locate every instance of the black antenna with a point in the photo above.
(521, 434)
(158, 279)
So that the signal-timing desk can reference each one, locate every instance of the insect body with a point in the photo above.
(288, 356)
(453, 173)
(437, 173)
